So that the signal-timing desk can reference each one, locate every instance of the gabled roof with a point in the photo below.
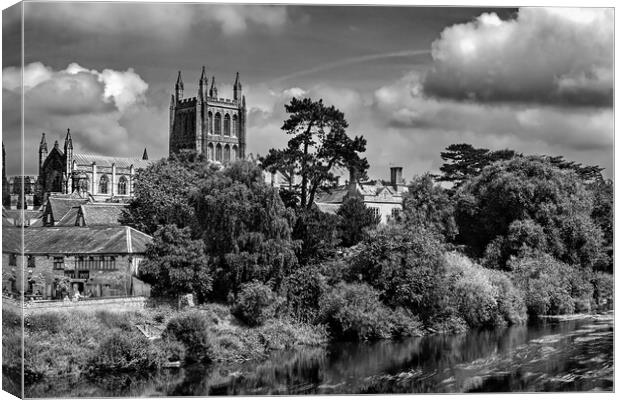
(102, 213)
(76, 240)
(105, 161)
(69, 218)
(60, 206)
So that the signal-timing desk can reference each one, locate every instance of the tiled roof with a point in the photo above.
(105, 161)
(69, 218)
(328, 208)
(102, 213)
(61, 205)
(76, 240)
(336, 195)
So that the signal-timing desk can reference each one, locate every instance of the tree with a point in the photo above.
(175, 264)
(463, 161)
(245, 228)
(355, 219)
(318, 146)
(162, 192)
(513, 203)
(429, 205)
(603, 214)
(317, 234)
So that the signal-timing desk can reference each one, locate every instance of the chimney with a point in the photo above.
(352, 181)
(396, 176)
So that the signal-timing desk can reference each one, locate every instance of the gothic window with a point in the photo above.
(210, 123)
(103, 184)
(57, 183)
(218, 152)
(235, 131)
(122, 186)
(227, 125)
(226, 153)
(217, 124)
(210, 152)
(233, 154)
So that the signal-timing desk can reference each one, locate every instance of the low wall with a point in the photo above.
(108, 304)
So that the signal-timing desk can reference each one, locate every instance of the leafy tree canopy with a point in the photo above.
(319, 144)
(355, 219)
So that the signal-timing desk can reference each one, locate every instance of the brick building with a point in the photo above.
(208, 123)
(101, 260)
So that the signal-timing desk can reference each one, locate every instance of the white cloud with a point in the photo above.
(164, 21)
(546, 55)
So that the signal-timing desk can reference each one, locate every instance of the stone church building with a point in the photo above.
(208, 123)
(102, 178)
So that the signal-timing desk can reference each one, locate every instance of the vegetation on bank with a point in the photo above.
(516, 236)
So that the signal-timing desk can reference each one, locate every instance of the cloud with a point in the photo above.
(166, 22)
(106, 111)
(546, 55)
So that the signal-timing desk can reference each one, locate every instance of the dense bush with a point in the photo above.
(354, 312)
(406, 266)
(603, 290)
(50, 322)
(483, 297)
(546, 283)
(255, 303)
(192, 330)
(303, 290)
(115, 320)
(125, 352)
(317, 233)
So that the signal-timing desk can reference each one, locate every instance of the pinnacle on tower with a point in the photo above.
(203, 84)
(68, 140)
(145, 156)
(43, 144)
(56, 144)
(203, 75)
(178, 87)
(236, 88)
(213, 91)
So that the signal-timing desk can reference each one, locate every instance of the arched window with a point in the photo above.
(217, 124)
(226, 153)
(103, 184)
(233, 153)
(235, 131)
(122, 186)
(210, 123)
(218, 152)
(227, 125)
(210, 152)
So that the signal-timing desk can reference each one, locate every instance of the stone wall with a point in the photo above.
(118, 304)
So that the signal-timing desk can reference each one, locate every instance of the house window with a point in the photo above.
(13, 260)
(103, 184)
(31, 262)
(395, 212)
(235, 131)
(375, 211)
(227, 125)
(122, 186)
(217, 124)
(80, 263)
(59, 263)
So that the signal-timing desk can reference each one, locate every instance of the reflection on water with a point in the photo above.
(549, 356)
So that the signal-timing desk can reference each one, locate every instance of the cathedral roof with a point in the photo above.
(106, 161)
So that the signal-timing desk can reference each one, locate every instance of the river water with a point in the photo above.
(551, 355)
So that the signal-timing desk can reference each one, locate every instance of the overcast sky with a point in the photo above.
(411, 80)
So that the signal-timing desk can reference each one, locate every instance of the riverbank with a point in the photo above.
(545, 355)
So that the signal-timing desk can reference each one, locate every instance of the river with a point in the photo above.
(549, 355)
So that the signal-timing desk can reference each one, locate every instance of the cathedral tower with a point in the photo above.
(208, 123)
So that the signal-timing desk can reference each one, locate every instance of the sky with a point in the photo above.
(411, 80)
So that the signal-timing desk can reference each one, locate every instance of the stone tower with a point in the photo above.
(208, 123)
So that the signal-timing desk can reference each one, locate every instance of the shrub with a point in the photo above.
(50, 322)
(172, 350)
(603, 290)
(303, 289)
(115, 320)
(404, 265)
(483, 297)
(125, 352)
(404, 323)
(192, 330)
(546, 283)
(353, 311)
(255, 303)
